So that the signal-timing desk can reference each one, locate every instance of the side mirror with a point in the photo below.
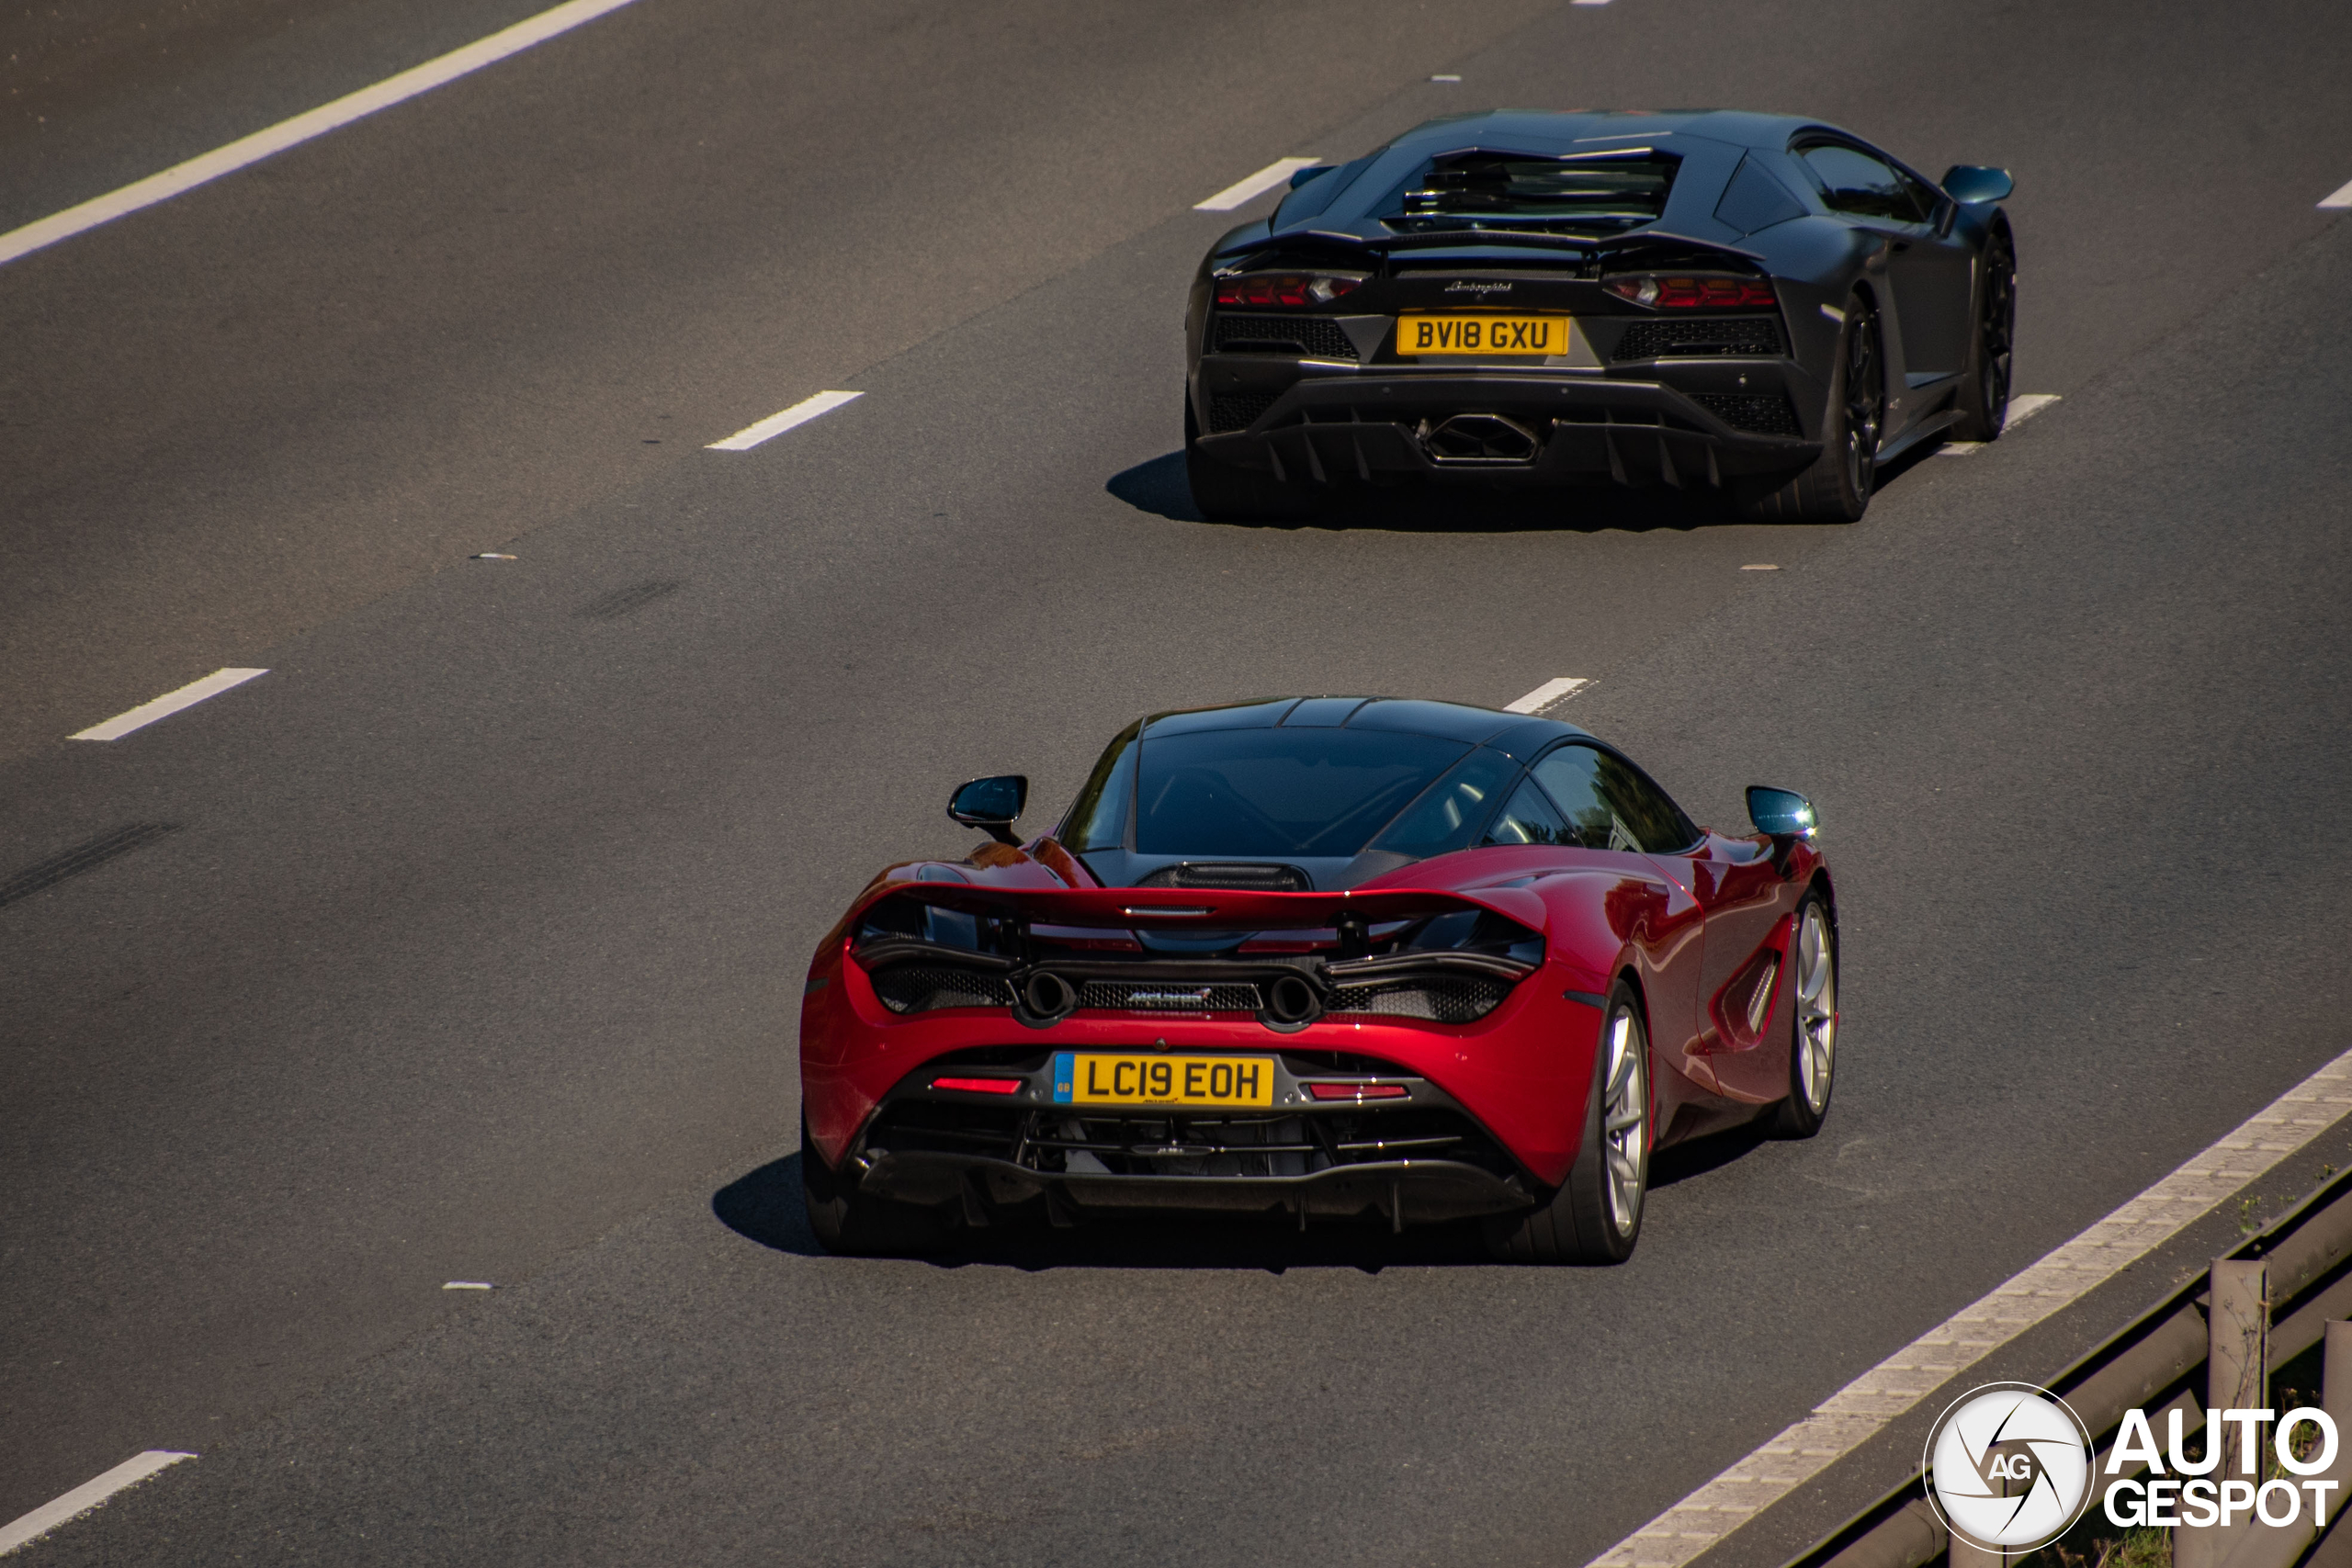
(1977, 182)
(1783, 813)
(991, 804)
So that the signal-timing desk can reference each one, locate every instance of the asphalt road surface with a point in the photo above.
(466, 944)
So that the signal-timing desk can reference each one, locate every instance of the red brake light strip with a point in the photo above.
(1357, 1091)
(981, 1085)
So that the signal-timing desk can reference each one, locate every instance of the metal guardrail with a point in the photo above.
(2261, 1305)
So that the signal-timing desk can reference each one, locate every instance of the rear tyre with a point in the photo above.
(1812, 1028)
(1223, 493)
(859, 1225)
(1596, 1217)
(1985, 389)
(1837, 489)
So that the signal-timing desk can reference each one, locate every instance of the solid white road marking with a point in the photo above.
(1257, 185)
(170, 703)
(302, 127)
(84, 1497)
(776, 425)
(2342, 198)
(1862, 1408)
(2021, 408)
(1550, 692)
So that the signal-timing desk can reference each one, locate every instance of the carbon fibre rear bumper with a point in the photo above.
(1586, 429)
(1405, 1191)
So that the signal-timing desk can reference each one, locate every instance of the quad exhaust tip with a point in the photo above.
(1478, 438)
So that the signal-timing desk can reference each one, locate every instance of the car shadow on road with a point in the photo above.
(1160, 487)
(765, 1207)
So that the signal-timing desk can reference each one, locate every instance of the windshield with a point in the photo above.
(1278, 792)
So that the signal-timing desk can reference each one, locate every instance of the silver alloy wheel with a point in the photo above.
(1625, 1125)
(1817, 1009)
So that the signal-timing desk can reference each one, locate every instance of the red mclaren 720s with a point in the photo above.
(1323, 957)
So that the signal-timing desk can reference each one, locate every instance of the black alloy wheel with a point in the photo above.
(1865, 400)
(1985, 399)
(1836, 487)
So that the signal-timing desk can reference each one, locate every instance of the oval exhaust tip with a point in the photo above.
(1291, 999)
(1049, 995)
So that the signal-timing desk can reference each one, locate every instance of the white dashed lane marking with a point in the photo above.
(170, 703)
(84, 1497)
(1557, 690)
(2341, 198)
(251, 150)
(1858, 1411)
(2021, 408)
(776, 425)
(1276, 173)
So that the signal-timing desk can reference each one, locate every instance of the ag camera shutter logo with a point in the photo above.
(2009, 1467)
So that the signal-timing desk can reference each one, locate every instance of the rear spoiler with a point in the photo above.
(1465, 238)
(1207, 908)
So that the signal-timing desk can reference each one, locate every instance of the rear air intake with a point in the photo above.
(1318, 336)
(1757, 414)
(1237, 410)
(1701, 338)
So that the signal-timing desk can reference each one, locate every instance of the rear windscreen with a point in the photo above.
(1278, 792)
(1603, 194)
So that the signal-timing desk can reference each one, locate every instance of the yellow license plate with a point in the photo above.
(1083, 1077)
(1463, 333)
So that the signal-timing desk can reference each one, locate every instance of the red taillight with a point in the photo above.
(1357, 1090)
(1696, 293)
(980, 1086)
(1283, 288)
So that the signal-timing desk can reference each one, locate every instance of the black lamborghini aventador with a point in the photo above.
(1766, 307)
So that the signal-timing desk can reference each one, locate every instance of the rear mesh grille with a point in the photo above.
(1318, 335)
(1702, 337)
(1237, 410)
(1758, 413)
(1138, 996)
(913, 988)
(1453, 1001)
